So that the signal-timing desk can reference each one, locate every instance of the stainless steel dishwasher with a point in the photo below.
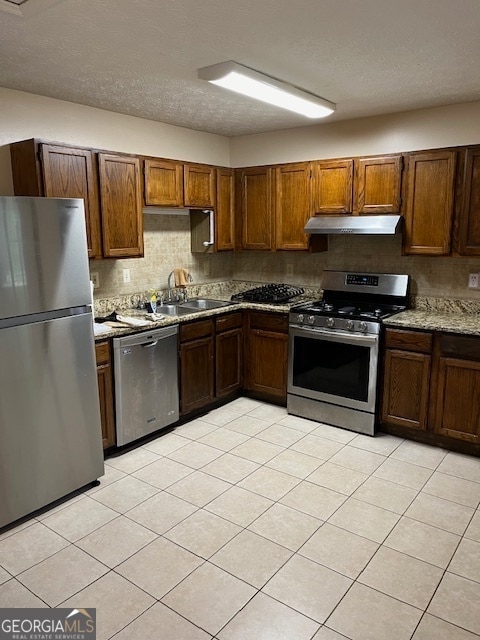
(146, 382)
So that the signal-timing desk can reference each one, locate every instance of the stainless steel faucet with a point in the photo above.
(169, 286)
(177, 296)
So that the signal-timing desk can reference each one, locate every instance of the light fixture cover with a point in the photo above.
(254, 84)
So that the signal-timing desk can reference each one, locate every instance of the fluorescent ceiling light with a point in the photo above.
(248, 82)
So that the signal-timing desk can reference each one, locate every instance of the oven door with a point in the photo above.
(334, 366)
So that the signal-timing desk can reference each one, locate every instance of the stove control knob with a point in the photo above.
(300, 317)
(362, 326)
(330, 322)
(350, 325)
(311, 319)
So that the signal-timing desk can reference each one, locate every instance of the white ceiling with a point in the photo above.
(141, 58)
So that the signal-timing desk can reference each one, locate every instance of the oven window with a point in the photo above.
(331, 367)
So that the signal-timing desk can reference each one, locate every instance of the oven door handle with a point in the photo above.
(334, 336)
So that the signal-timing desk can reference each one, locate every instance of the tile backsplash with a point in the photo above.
(167, 246)
(430, 276)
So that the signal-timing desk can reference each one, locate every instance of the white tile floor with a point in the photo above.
(249, 524)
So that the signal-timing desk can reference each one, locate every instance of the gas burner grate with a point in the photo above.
(269, 293)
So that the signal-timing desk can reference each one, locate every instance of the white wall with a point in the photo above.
(24, 115)
(454, 125)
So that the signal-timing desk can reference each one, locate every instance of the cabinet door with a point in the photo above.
(196, 374)
(121, 206)
(428, 210)
(468, 212)
(458, 392)
(266, 369)
(225, 210)
(257, 208)
(198, 185)
(70, 173)
(229, 362)
(163, 183)
(332, 186)
(292, 205)
(377, 185)
(105, 392)
(406, 389)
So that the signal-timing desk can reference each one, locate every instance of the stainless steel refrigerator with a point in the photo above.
(50, 433)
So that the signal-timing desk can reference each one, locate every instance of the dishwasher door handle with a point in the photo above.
(149, 345)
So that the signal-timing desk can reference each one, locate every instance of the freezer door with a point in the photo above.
(50, 434)
(43, 255)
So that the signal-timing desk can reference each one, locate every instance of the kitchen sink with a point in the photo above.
(204, 304)
(172, 310)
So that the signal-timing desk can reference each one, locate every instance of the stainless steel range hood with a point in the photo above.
(356, 225)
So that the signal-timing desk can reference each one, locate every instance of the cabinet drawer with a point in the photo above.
(460, 347)
(102, 352)
(230, 321)
(418, 341)
(195, 330)
(269, 321)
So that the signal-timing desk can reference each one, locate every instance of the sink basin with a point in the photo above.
(172, 310)
(204, 304)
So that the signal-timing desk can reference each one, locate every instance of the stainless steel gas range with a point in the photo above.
(334, 348)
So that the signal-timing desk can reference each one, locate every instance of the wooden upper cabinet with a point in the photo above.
(430, 180)
(198, 186)
(377, 185)
(293, 205)
(468, 205)
(257, 207)
(332, 186)
(163, 183)
(59, 171)
(121, 205)
(225, 210)
(70, 173)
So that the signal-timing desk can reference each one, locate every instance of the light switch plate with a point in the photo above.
(95, 278)
(126, 275)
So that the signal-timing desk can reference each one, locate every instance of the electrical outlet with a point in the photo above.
(95, 278)
(126, 275)
(473, 280)
(289, 269)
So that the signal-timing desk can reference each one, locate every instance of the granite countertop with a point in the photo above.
(430, 320)
(196, 315)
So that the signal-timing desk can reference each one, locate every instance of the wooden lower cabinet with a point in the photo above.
(197, 365)
(405, 389)
(458, 394)
(105, 393)
(211, 360)
(228, 354)
(431, 388)
(457, 406)
(266, 353)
